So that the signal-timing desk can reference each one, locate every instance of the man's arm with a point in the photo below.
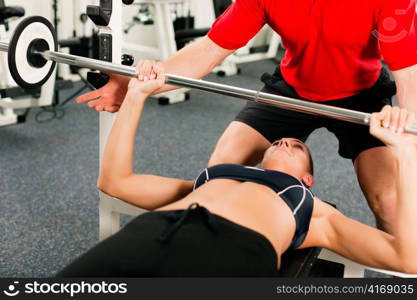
(195, 60)
(398, 44)
(116, 174)
(242, 20)
(406, 81)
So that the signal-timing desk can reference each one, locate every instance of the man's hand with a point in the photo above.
(389, 126)
(109, 97)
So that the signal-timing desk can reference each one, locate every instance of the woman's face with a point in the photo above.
(290, 156)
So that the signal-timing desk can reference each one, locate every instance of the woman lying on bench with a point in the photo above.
(235, 220)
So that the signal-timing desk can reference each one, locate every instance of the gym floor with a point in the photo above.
(48, 171)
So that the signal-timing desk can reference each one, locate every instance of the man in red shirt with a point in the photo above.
(333, 55)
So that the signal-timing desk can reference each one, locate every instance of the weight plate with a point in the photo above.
(22, 70)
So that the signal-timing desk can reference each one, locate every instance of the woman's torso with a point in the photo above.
(248, 204)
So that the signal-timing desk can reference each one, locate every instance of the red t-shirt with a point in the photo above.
(333, 47)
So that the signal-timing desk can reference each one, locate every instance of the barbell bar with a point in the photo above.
(31, 63)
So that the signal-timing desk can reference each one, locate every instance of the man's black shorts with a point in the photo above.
(275, 123)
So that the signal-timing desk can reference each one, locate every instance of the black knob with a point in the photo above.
(128, 2)
(83, 18)
(127, 60)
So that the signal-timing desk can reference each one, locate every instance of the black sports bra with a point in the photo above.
(295, 194)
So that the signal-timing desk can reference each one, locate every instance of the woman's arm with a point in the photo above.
(116, 176)
(365, 244)
(361, 243)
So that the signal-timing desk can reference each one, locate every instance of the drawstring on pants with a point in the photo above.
(180, 217)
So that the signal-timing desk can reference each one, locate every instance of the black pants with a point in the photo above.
(186, 243)
(275, 123)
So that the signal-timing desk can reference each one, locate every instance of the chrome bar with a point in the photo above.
(217, 88)
(274, 100)
(89, 63)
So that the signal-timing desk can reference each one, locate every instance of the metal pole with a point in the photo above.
(236, 92)
(222, 89)
(217, 88)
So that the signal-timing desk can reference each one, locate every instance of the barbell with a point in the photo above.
(32, 56)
